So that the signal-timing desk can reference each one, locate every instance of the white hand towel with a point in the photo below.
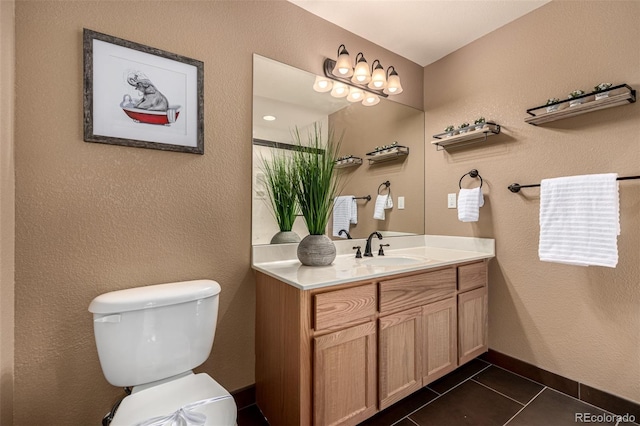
(341, 214)
(353, 218)
(389, 203)
(378, 210)
(580, 220)
(469, 203)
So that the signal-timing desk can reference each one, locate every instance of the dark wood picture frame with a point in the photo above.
(151, 121)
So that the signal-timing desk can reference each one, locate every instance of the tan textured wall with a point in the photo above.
(366, 128)
(582, 323)
(94, 218)
(7, 213)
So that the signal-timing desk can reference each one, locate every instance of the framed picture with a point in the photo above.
(139, 96)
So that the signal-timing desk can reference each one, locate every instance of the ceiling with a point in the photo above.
(422, 31)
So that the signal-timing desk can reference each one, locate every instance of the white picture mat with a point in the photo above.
(175, 80)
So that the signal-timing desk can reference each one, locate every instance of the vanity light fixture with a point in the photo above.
(322, 84)
(361, 74)
(393, 82)
(355, 95)
(342, 66)
(370, 99)
(340, 90)
(369, 84)
(378, 76)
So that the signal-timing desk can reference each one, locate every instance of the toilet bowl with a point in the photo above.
(150, 338)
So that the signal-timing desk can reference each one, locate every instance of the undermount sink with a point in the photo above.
(394, 260)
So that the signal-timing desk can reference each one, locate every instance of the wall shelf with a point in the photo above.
(622, 94)
(388, 154)
(348, 162)
(473, 135)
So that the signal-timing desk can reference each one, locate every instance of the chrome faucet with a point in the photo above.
(367, 248)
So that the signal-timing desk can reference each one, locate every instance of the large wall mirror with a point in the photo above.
(286, 94)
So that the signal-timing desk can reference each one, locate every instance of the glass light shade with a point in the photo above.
(361, 74)
(355, 94)
(322, 84)
(378, 78)
(340, 90)
(343, 64)
(393, 84)
(370, 99)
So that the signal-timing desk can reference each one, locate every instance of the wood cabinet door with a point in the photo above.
(344, 376)
(440, 339)
(400, 360)
(473, 327)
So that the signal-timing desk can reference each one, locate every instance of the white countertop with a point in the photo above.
(427, 251)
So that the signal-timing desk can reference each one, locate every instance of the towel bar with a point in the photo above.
(515, 187)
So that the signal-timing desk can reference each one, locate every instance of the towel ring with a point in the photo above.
(387, 186)
(474, 174)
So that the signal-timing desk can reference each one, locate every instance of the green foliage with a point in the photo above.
(317, 184)
(280, 180)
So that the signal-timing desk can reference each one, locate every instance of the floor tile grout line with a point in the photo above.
(556, 390)
(444, 393)
(499, 393)
(411, 420)
(519, 375)
(525, 406)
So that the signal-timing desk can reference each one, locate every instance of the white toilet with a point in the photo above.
(151, 338)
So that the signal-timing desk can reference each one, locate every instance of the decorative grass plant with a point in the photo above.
(317, 184)
(281, 182)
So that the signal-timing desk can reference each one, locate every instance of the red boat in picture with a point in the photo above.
(150, 117)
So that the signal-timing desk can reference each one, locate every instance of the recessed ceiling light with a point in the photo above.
(268, 117)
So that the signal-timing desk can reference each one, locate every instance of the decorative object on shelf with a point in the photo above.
(601, 90)
(463, 128)
(576, 97)
(387, 152)
(142, 75)
(358, 83)
(621, 94)
(480, 122)
(552, 104)
(347, 161)
(450, 130)
(445, 140)
(280, 180)
(316, 188)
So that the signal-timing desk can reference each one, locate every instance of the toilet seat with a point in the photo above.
(166, 398)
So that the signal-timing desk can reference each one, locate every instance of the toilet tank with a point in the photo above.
(150, 333)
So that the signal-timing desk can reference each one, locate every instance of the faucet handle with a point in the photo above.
(358, 252)
(381, 251)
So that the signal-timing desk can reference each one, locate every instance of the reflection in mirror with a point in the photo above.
(287, 94)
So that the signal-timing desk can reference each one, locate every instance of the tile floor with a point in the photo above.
(478, 394)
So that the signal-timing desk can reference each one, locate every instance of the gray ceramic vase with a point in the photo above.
(316, 250)
(285, 237)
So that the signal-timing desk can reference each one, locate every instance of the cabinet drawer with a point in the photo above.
(417, 290)
(339, 307)
(472, 276)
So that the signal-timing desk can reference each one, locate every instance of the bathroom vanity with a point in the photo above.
(336, 344)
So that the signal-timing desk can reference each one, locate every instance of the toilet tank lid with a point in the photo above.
(153, 296)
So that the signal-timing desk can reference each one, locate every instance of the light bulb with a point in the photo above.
(361, 74)
(340, 90)
(355, 94)
(322, 84)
